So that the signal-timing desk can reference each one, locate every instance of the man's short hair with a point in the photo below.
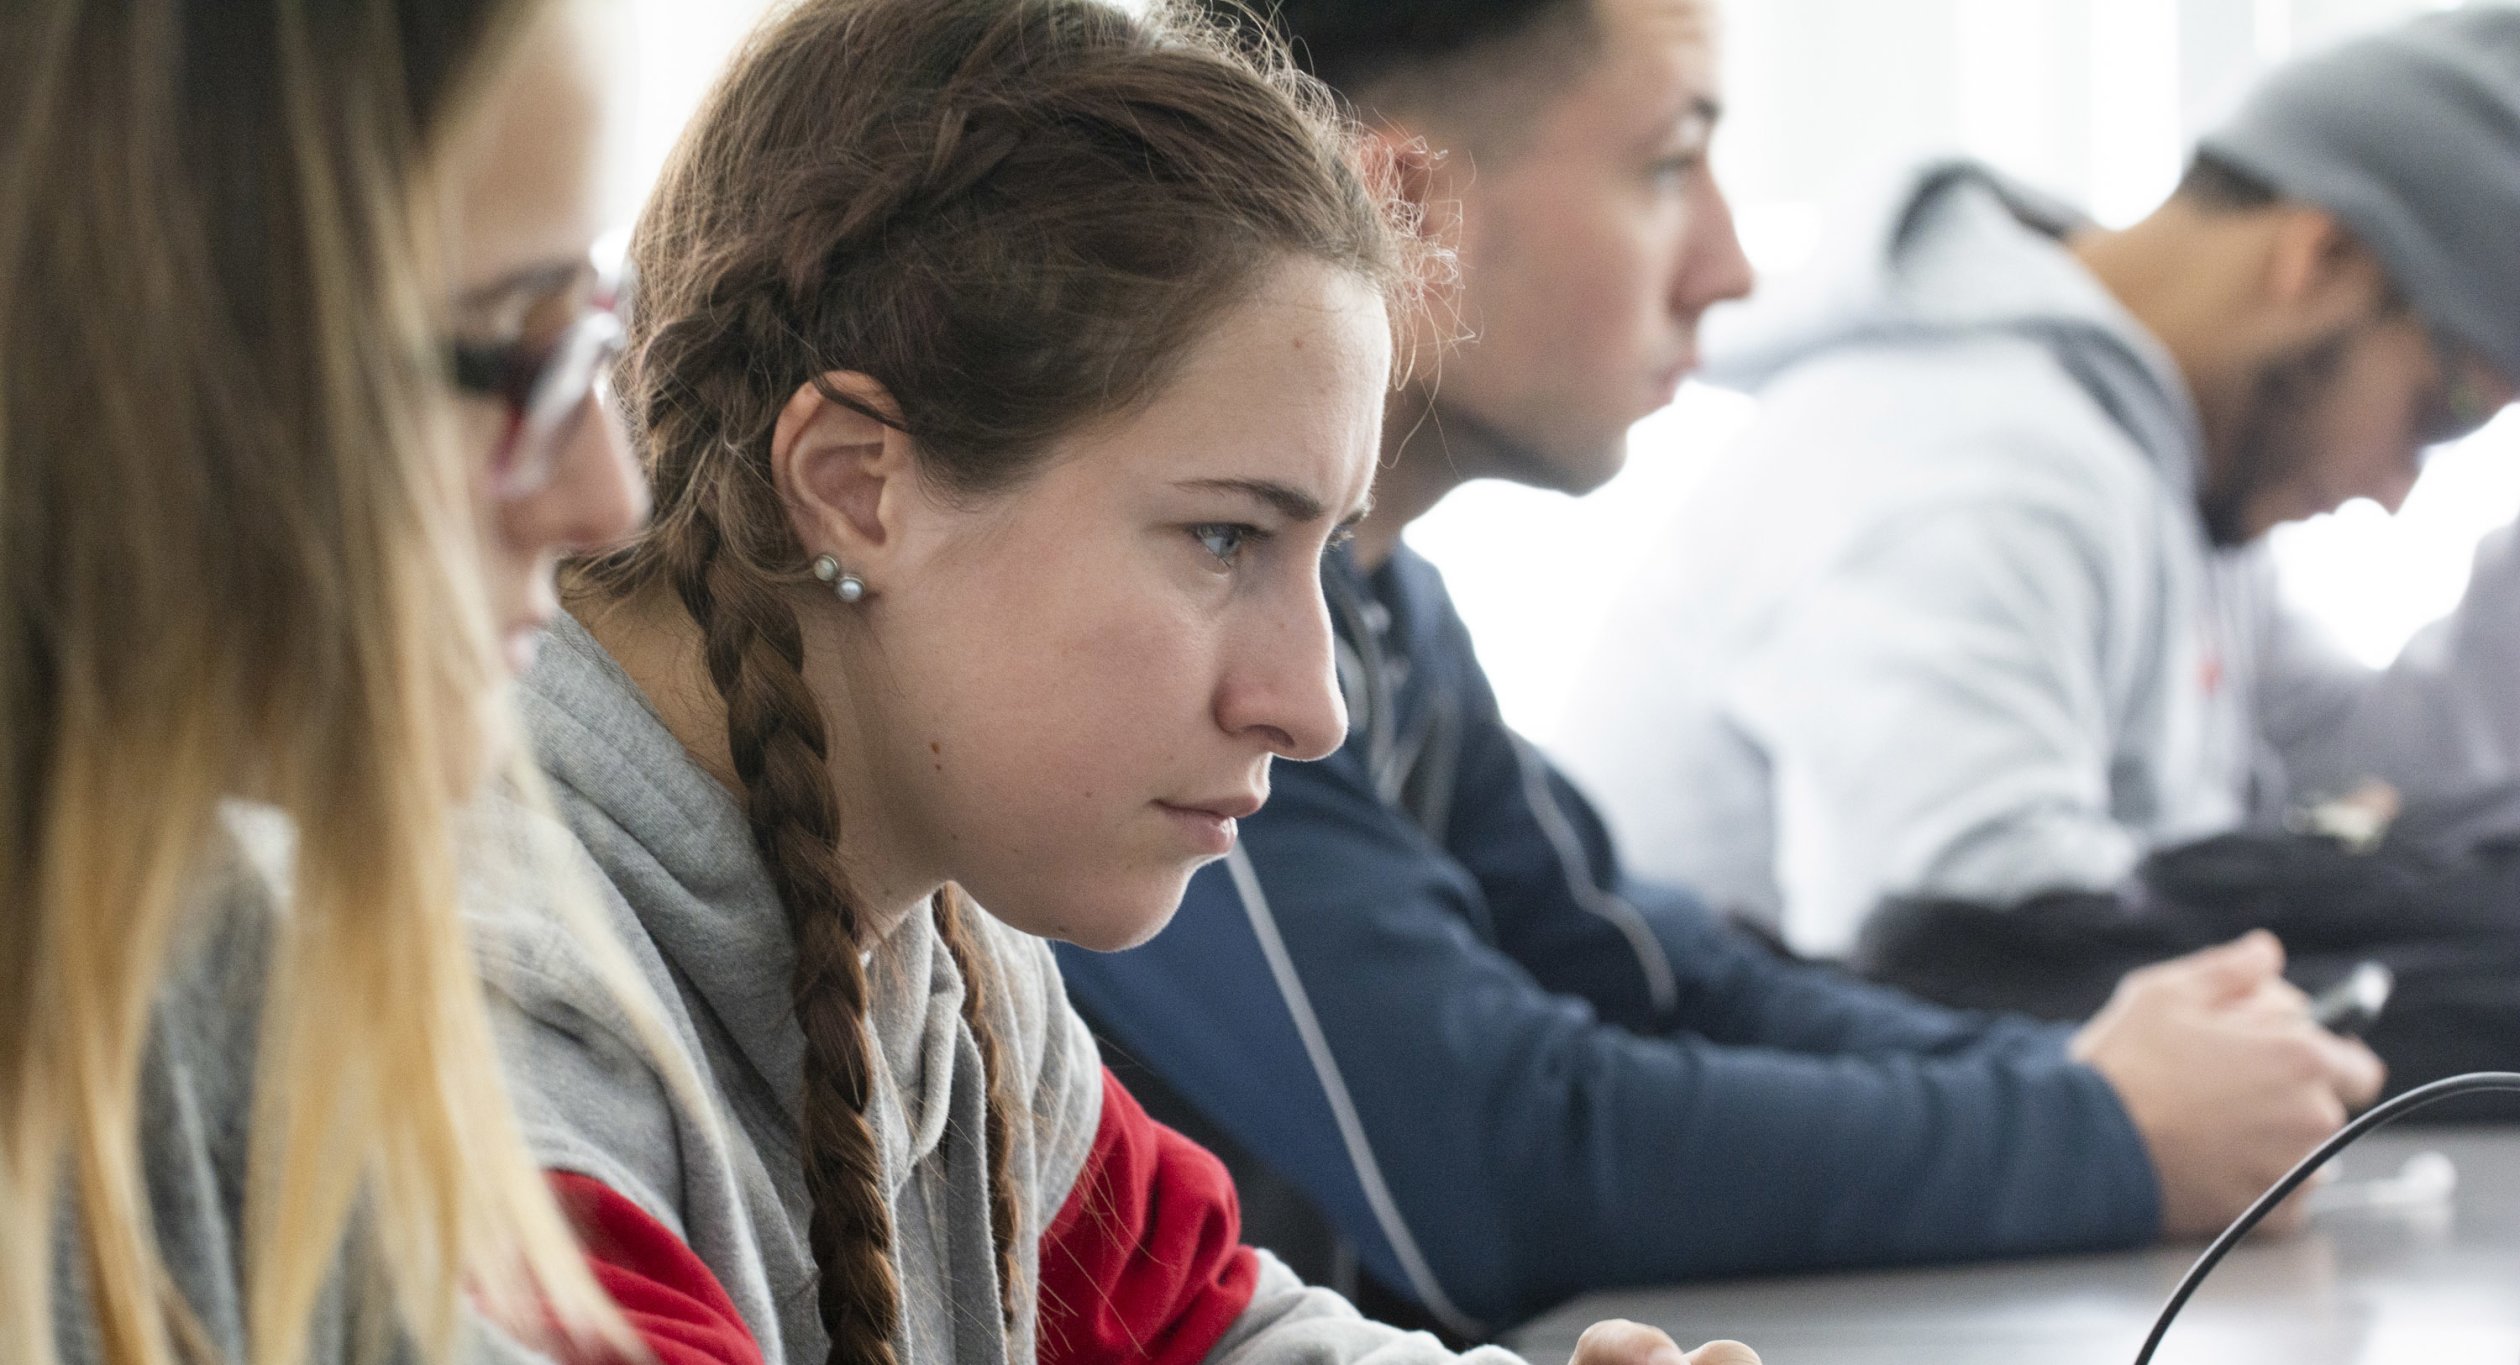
(2214, 184)
(1411, 56)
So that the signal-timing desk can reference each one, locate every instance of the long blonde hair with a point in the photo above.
(237, 558)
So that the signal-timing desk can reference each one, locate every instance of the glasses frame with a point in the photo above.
(544, 387)
(2461, 402)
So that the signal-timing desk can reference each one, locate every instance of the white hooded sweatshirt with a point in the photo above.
(1946, 621)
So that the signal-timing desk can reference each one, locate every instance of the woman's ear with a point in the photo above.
(845, 475)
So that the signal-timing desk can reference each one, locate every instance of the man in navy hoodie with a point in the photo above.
(1421, 1002)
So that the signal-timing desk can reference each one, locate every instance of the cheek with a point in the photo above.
(1068, 699)
(509, 557)
(1576, 295)
(2369, 432)
(1079, 656)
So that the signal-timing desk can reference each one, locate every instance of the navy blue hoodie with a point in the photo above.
(1422, 992)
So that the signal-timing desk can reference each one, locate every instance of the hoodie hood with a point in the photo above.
(679, 846)
(1954, 251)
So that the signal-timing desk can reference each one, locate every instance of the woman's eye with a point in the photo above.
(1223, 540)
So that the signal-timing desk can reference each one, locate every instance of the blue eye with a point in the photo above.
(1222, 539)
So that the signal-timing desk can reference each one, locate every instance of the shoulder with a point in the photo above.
(600, 1057)
(545, 922)
(1989, 416)
(1920, 449)
(1420, 583)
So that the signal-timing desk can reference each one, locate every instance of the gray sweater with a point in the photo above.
(196, 1099)
(678, 877)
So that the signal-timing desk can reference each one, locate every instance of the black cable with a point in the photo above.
(2421, 1096)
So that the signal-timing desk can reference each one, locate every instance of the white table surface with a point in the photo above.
(2437, 1284)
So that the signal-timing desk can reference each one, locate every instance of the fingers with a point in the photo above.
(2354, 1071)
(1616, 1341)
(2275, 998)
(2350, 1070)
(2238, 969)
(2218, 976)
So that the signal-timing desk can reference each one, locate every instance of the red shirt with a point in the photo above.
(1145, 1261)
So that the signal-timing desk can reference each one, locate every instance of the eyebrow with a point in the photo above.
(1290, 502)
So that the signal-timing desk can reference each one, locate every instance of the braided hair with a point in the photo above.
(1055, 194)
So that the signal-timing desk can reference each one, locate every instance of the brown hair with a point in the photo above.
(1014, 215)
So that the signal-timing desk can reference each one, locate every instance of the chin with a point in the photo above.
(1111, 923)
(1111, 932)
(1573, 465)
(1606, 464)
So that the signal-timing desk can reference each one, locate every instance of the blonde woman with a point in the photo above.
(297, 341)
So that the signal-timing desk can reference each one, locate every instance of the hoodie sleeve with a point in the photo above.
(1291, 1323)
(2440, 722)
(1937, 713)
(668, 1298)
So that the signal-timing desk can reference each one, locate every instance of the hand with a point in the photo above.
(1618, 1342)
(2225, 1076)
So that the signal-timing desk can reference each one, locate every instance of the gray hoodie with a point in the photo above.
(196, 1096)
(678, 876)
(1946, 621)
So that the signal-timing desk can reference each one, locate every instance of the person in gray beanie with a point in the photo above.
(1978, 610)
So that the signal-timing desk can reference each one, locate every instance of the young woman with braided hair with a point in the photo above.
(1003, 369)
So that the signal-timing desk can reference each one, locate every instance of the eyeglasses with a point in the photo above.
(568, 337)
(2466, 394)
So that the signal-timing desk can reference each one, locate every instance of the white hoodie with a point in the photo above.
(1946, 620)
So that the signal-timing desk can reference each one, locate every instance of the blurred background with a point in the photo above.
(2095, 100)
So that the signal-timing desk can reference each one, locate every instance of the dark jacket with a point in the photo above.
(1421, 991)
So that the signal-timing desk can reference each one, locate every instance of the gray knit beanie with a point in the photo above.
(2411, 137)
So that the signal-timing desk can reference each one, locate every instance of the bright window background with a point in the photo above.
(2094, 99)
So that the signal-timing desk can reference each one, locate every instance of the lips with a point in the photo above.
(1235, 807)
(1210, 825)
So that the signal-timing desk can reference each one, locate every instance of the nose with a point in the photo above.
(596, 495)
(1713, 266)
(1281, 682)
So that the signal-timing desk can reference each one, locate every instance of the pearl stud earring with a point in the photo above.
(848, 587)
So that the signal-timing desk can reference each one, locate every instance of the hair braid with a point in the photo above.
(755, 654)
(953, 924)
(1015, 216)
